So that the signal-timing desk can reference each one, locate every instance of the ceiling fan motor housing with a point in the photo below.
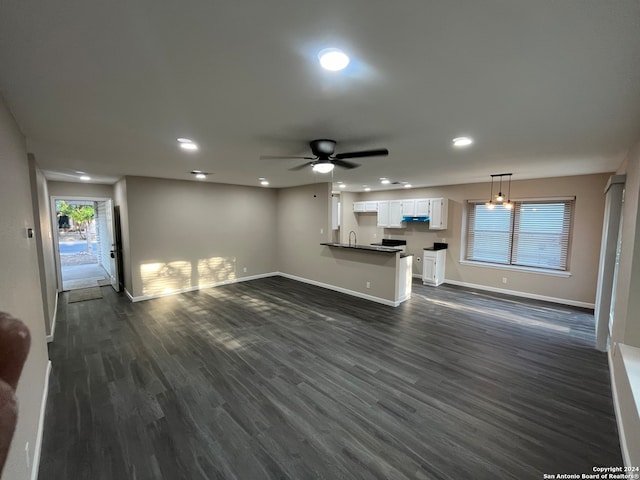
(323, 148)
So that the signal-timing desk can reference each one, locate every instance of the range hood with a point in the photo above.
(408, 218)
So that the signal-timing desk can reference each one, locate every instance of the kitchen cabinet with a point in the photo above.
(383, 214)
(370, 206)
(395, 214)
(439, 214)
(433, 263)
(408, 208)
(422, 207)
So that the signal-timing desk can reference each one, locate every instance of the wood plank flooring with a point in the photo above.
(275, 379)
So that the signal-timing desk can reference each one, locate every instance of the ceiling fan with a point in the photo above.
(324, 159)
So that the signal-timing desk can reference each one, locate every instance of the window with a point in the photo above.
(533, 234)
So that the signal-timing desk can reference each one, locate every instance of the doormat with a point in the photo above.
(104, 283)
(84, 294)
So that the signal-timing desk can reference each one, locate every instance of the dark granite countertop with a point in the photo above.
(371, 248)
(403, 255)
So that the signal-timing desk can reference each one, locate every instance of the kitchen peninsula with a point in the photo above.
(383, 272)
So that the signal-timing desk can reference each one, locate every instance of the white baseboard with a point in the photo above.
(141, 298)
(517, 293)
(353, 293)
(53, 321)
(35, 466)
(129, 295)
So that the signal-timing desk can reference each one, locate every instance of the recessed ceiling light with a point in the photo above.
(342, 185)
(85, 178)
(408, 185)
(189, 146)
(462, 141)
(264, 183)
(200, 175)
(333, 59)
(367, 189)
(385, 181)
(323, 167)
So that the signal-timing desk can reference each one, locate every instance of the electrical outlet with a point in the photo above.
(368, 284)
(504, 280)
(244, 269)
(321, 231)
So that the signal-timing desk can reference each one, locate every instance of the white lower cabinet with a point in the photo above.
(433, 263)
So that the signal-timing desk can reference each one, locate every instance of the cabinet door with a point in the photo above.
(383, 214)
(439, 214)
(395, 214)
(358, 206)
(408, 208)
(370, 206)
(429, 269)
(422, 207)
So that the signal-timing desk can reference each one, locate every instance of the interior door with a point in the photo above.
(111, 240)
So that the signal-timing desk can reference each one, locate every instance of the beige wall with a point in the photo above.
(120, 200)
(580, 287)
(626, 327)
(20, 292)
(77, 189)
(44, 242)
(304, 223)
(185, 234)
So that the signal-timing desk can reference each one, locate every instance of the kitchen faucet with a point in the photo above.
(355, 238)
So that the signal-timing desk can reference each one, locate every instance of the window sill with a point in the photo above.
(498, 266)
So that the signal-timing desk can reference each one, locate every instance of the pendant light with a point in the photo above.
(490, 204)
(499, 198)
(508, 204)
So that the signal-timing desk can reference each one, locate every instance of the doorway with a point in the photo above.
(84, 241)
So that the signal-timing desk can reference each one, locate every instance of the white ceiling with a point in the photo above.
(546, 87)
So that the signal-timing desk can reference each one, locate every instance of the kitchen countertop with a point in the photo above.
(371, 248)
(403, 255)
(433, 249)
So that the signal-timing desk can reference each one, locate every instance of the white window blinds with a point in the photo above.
(489, 234)
(533, 234)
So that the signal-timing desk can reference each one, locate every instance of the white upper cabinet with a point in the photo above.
(370, 206)
(408, 208)
(383, 214)
(439, 214)
(422, 207)
(395, 214)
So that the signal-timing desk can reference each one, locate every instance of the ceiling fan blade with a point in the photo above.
(381, 152)
(271, 157)
(345, 164)
(300, 167)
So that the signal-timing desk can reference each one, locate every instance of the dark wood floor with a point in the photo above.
(275, 379)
